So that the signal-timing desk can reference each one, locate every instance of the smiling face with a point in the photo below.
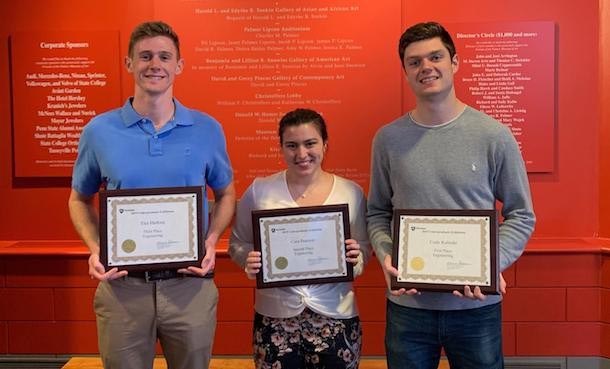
(429, 68)
(303, 149)
(154, 64)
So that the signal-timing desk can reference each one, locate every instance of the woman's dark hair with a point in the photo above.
(303, 116)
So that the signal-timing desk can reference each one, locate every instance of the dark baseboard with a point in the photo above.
(525, 362)
(32, 361)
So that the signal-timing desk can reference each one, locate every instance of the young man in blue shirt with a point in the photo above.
(153, 141)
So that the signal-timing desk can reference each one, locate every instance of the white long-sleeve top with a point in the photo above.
(335, 300)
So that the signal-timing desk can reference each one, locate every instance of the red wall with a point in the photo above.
(40, 213)
(575, 177)
(604, 122)
(558, 303)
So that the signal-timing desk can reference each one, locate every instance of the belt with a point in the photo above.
(159, 275)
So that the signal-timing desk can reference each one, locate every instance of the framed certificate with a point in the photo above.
(151, 229)
(445, 250)
(304, 245)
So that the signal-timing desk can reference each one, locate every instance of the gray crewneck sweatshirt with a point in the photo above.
(468, 163)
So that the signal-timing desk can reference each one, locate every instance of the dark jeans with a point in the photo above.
(472, 338)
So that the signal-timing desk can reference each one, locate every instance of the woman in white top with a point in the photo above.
(310, 326)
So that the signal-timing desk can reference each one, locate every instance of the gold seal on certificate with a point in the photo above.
(128, 246)
(304, 245)
(151, 229)
(445, 250)
(281, 263)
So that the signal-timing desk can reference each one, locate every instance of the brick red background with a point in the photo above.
(557, 304)
(558, 301)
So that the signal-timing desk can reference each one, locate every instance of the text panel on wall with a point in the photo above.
(60, 80)
(507, 70)
(249, 63)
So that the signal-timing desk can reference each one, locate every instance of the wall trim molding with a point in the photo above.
(511, 362)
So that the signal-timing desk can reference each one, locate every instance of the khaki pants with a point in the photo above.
(132, 314)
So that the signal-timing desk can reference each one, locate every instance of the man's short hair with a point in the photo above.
(424, 31)
(153, 29)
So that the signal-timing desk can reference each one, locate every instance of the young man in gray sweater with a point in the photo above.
(444, 155)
